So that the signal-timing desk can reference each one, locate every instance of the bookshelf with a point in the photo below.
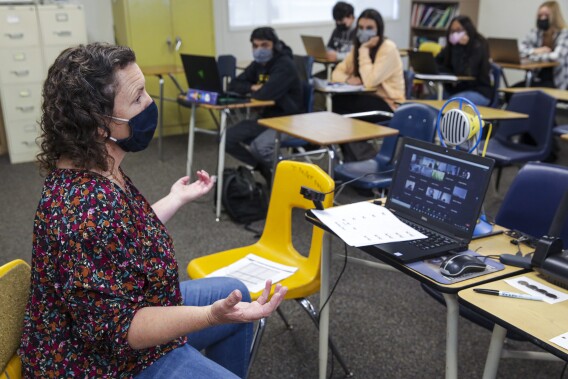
(429, 20)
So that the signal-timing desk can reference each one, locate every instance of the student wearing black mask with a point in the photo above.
(466, 54)
(548, 43)
(341, 39)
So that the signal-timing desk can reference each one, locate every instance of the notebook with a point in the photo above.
(315, 46)
(425, 67)
(438, 191)
(202, 74)
(505, 50)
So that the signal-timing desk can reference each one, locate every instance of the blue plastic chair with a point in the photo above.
(412, 120)
(496, 73)
(519, 141)
(560, 130)
(408, 83)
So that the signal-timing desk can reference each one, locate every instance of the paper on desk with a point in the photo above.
(253, 271)
(516, 282)
(561, 340)
(364, 223)
(324, 85)
(441, 77)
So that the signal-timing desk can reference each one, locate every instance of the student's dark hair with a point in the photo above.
(268, 34)
(78, 98)
(375, 16)
(341, 9)
(475, 38)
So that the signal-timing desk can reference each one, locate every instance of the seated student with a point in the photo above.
(271, 76)
(373, 62)
(548, 42)
(341, 39)
(466, 54)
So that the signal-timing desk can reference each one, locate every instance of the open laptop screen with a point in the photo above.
(439, 186)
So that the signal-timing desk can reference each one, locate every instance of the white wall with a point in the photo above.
(237, 42)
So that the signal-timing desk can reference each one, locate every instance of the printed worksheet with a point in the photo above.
(364, 223)
(254, 271)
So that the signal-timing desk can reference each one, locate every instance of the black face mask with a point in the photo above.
(341, 27)
(142, 128)
(543, 24)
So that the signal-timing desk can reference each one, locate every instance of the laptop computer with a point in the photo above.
(202, 74)
(315, 46)
(438, 191)
(423, 62)
(505, 50)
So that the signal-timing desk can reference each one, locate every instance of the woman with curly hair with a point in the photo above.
(105, 298)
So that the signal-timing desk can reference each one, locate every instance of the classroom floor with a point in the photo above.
(382, 321)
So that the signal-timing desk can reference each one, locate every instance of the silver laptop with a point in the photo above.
(505, 50)
(315, 46)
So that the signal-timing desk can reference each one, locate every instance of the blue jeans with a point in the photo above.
(473, 96)
(226, 347)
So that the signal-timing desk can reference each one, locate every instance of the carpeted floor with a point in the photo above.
(384, 324)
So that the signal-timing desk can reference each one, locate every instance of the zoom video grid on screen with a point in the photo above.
(445, 189)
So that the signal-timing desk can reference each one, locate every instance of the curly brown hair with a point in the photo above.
(78, 98)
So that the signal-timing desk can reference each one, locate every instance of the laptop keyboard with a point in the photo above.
(434, 239)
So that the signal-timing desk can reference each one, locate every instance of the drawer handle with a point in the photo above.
(27, 109)
(63, 33)
(21, 73)
(14, 35)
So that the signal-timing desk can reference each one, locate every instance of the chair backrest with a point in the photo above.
(227, 65)
(308, 93)
(430, 46)
(304, 65)
(532, 199)
(496, 72)
(412, 120)
(285, 197)
(408, 83)
(14, 292)
(536, 130)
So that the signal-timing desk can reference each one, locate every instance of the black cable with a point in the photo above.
(336, 282)
(353, 180)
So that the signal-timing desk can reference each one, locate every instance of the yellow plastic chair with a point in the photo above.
(14, 292)
(430, 46)
(275, 244)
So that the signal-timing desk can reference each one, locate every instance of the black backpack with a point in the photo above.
(244, 199)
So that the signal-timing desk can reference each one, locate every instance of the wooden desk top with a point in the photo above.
(527, 65)
(327, 128)
(486, 112)
(443, 78)
(325, 61)
(340, 91)
(537, 320)
(162, 70)
(252, 104)
(558, 94)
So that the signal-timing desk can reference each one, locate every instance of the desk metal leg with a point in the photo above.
(328, 102)
(452, 335)
(494, 353)
(324, 313)
(328, 71)
(190, 140)
(529, 78)
(440, 88)
(161, 126)
(221, 160)
(277, 143)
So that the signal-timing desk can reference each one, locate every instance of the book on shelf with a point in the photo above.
(435, 16)
(443, 21)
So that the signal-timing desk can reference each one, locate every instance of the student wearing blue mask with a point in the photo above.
(373, 62)
(466, 54)
(105, 297)
(271, 76)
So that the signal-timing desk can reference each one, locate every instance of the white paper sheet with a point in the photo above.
(327, 86)
(253, 271)
(561, 340)
(364, 223)
(561, 296)
(441, 77)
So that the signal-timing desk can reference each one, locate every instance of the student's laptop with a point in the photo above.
(202, 74)
(315, 46)
(438, 191)
(423, 62)
(505, 50)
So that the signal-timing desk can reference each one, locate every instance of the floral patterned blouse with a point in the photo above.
(99, 255)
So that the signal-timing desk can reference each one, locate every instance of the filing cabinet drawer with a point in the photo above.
(18, 26)
(19, 65)
(62, 24)
(22, 140)
(21, 101)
